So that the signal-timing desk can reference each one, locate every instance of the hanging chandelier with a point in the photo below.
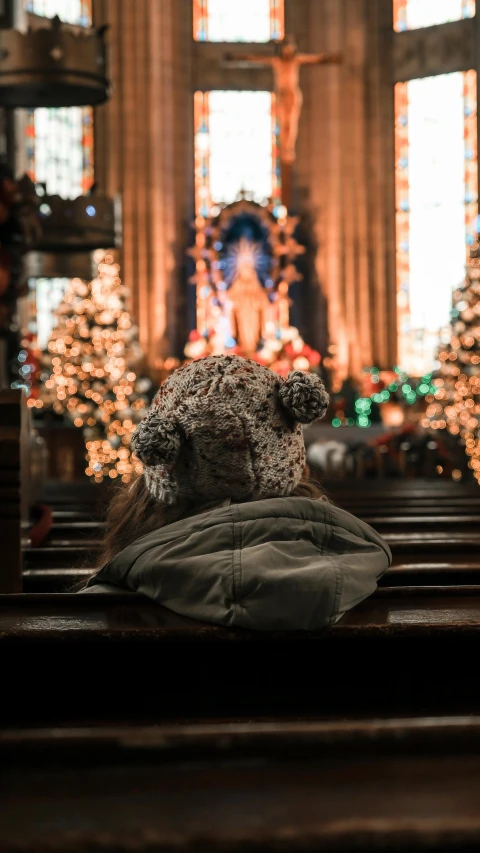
(57, 65)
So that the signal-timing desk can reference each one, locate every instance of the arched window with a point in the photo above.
(59, 149)
(58, 153)
(436, 178)
(59, 141)
(70, 11)
(236, 147)
(250, 20)
(236, 132)
(414, 14)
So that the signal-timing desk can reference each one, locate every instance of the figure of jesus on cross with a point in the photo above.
(286, 71)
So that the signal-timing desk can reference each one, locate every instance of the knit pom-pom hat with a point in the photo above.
(225, 427)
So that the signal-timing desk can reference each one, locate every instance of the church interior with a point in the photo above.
(293, 183)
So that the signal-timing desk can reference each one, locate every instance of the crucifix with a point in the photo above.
(286, 72)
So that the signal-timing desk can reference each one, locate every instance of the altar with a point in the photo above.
(245, 262)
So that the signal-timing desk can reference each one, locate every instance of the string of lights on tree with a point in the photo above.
(354, 406)
(455, 402)
(92, 376)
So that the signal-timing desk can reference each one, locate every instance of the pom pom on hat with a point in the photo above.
(304, 396)
(156, 440)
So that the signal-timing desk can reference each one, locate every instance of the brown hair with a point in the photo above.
(133, 512)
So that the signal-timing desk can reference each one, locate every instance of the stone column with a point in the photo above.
(345, 173)
(144, 152)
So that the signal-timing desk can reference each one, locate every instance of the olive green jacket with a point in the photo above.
(278, 564)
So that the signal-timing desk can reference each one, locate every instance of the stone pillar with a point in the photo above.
(144, 152)
(345, 173)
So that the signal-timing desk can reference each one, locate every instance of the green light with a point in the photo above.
(385, 395)
(407, 389)
(423, 388)
(336, 422)
(393, 387)
(351, 421)
(410, 398)
(363, 421)
(363, 405)
(377, 398)
(375, 370)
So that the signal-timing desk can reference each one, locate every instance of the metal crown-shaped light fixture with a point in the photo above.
(53, 66)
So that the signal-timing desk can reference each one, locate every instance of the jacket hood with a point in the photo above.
(277, 564)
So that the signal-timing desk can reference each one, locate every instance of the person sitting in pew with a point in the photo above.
(223, 526)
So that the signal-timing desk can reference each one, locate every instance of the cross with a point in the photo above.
(286, 72)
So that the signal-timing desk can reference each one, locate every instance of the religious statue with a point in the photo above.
(286, 69)
(249, 306)
(244, 266)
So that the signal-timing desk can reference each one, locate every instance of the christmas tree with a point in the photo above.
(93, 360)
(455, 403)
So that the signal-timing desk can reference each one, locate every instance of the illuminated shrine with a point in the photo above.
(244, 266)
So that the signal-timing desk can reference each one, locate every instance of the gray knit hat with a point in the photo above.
(225, 427)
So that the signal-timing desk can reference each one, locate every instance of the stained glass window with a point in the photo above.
(236, 147)
(436, 201)
(59, 149)
(414, 14)
(70, 11)
(228, 20)
(59, 154)
(45, 295)
(59, 141)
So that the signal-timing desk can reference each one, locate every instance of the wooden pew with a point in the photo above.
(122, 659)
(88, 658)
(421, 558)
(54, 580)
(428, 574)
(398, 485)
(389, 517)
(14, 438)
(432, 528)
(119, 662)
(444, 562)
(401, 574)
(268, 787)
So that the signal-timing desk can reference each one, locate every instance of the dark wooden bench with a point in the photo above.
(431, 526)
(192, 737)
(427, 574)
(412, 569)
(124, 657)
(393, 519)
(199, 738)
(423, 548)
(265, 787)
(14, 440)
